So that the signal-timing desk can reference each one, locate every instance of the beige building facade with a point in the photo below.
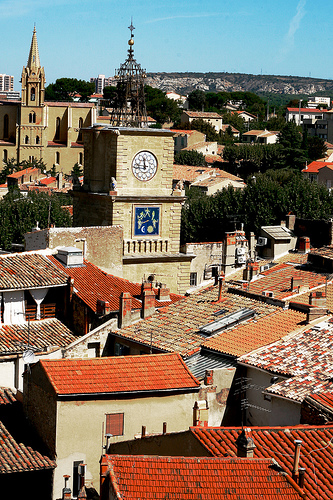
(49, 131)
(128, 181)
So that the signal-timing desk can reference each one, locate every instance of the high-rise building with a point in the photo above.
(6, 83)
(101, 81)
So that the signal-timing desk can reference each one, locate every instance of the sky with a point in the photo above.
(85, 38)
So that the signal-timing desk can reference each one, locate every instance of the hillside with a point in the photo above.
(184, 83)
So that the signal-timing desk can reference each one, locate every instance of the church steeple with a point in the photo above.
(33, 77)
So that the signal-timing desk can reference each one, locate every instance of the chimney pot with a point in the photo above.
(245, 444)
(298, 444)
(143, 431)
(301, 477)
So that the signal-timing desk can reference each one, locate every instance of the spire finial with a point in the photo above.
(131, 28)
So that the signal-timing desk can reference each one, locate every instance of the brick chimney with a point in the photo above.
(304, 244)
(148, 303)
(125, 310)
(291, 219)
(163, 293)
(66, 492)
(245, 444)
(317, 298)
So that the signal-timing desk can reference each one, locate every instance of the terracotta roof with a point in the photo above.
(189, 173)
(77, 145)
(202, 114)
(278, 443)
(306, 110)
(119, 374)
(213, 159)
(29, 270)
(233, 129)
(184, 132)
(326, 252)
(47, 180)
(26, 171)
(219, 179)
(191, 478)
(278, 278)
(324, 398)
(56, 144)
(53, 104)
(239, 112)
(256, 333)
(92, 284)
(16, 457)
(6, 396)
(176, 328)
(315, 166)
(306, 358)
(41, 334)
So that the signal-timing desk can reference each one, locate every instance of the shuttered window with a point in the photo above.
(114, 424)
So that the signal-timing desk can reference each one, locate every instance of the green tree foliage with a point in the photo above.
(197, 100)
(190, 158)
(206, 128)
(19, 214)
(265, 201)
(246, 159)
(160, 107)
(64, 89)
(290, 139)
(110, 93)
(316, 148)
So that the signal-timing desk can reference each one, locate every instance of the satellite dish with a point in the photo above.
(28, 357)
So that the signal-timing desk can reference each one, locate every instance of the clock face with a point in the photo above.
(144, 165)
(146, 221)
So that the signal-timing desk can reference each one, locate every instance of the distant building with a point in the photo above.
(212, 118)
(298, 115)
(101, 81)
(6, 83)
(313, 102)
(260, 136)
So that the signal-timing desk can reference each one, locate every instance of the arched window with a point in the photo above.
(37, 139)
(5, 155)
(26, 140)
(80, 129)
(33, 94)
(57, 158)
(32, 117)
(81, 159)
(57, 132)
(6, 127)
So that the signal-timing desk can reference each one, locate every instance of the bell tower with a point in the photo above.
(33, 77)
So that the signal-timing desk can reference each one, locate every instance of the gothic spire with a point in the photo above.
(33, 59)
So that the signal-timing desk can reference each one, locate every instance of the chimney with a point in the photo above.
(298, 444)
(291, 219)
(245, 444)
(148, 303)
(283, 223)
(252, 245)
(125, 310)
(59, 180)
(146, 285)
(221, 283)
(66, 492)
(296, 284)
(209, 377)
(200, 413)
(163, 293)
(143, 431)
(304, 244)
(301, 472)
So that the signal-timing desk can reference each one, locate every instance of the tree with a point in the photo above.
(64, 89)
(160, 107)
(110, 94)
(316, 148)
(197, 100)
(190, 158)
(19, 214)
(12, 166)
(290, 139)
(206, 128)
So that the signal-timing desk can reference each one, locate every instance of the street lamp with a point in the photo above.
(299, 111)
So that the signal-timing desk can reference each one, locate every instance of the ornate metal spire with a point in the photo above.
(130, 106)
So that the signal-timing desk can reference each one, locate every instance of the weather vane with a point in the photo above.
(131, 28)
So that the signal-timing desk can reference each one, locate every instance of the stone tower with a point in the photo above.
(33, 77)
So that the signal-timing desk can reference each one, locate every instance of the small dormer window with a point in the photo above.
(33, 94)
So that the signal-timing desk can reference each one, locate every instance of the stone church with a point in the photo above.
(35, 129)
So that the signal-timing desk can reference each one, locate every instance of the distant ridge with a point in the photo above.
(184, 83)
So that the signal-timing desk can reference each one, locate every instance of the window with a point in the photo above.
(37, 139)
(80, 131)
(114, 424)
(5, 155)
(121, 349)
(57, 158)
(57, 131)
(76, 477)
(193, 279)
(26, 140)
(32, 117)
(5, 127)
(94, 349)
(33, 94)
(80, 158)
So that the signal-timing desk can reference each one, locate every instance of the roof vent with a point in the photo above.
(227, 321)
(70, 256)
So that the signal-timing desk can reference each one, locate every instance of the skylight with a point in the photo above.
(228, 320)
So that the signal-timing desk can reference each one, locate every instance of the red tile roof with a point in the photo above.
(92, 284)
(315, 166)
(256, 333)
(191, 478)
(306, 357)
(278, 443)
(202, 114)
(47, 180)
(29, 270)
(189, 173)
(16, 457)
(119, 374)
(26, 171)
(41, 334)
(306, 110)
(6, 396)
(324, 398)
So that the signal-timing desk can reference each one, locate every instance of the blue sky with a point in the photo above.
(82, 38)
